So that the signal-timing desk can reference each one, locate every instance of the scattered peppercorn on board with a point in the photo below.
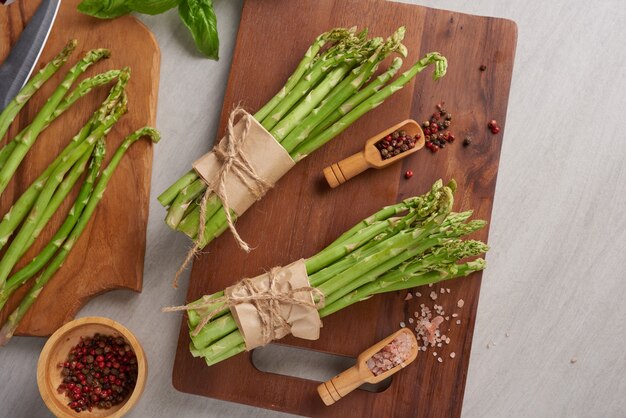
(110, 254)
(302, 214)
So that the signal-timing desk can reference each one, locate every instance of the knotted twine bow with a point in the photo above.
(233, 161)
(267, 304)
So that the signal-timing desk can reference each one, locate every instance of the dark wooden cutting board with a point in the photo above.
(302, 214)
(110, 253)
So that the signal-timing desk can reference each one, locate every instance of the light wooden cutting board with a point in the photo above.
(110, 253)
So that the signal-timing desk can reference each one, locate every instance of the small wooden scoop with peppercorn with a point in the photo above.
(381, 150)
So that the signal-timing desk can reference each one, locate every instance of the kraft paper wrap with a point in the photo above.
(268, 159)
(292, 300)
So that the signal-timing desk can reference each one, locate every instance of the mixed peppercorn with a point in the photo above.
(99, 372)
(493, 126)
(396, 143)
(436, 129)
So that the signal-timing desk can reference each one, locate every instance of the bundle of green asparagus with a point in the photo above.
(32, 211)
(410, 244)
(327, 92)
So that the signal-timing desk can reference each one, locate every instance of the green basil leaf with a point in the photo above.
(104, 9)
(151, 7)
(199, 17)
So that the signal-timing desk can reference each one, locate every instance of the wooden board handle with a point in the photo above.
(339, 386)
(345, 169)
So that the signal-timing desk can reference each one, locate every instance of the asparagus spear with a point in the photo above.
(374, 101)
(342, 285)
(28, 271)
(183, 200)
(333, 35)
(10, 112)
(98, 191)
(30, 134)
(191, 221)
(363, 94)
(167, 197)
(19, 244)
(22, 206)
(59, 196)
(343, 91)
(310, 101)
(318, 71)
(445, 272)
(83, 89)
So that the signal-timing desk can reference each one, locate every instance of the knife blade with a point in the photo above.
(24, 55)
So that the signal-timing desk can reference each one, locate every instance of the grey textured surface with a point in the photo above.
(555, 282)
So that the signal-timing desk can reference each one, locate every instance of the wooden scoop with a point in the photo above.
(370, 157)
(342, 384)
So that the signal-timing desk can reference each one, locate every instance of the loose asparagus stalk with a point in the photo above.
(31, 133)
(23, 205)
(32, 268)
(59, 196)
(19, 244)
(13, 108)
(374, 101)
(83, 89)
(10, 326)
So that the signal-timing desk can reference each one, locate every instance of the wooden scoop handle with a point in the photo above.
(345, 169)
(342, 384)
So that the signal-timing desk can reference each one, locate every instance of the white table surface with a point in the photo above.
(555, 281)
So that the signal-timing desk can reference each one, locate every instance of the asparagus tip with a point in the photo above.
(154, 135)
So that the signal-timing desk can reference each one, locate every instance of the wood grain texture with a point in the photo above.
(110, 253)
(302, 214)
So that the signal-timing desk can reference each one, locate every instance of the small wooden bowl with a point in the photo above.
(58, 347)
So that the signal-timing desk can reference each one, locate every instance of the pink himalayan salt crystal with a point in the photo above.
(391, 355)
(431, 327)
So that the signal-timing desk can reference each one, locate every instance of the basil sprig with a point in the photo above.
(197, 15)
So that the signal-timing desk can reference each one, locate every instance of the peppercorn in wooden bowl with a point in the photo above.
(91, 361)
